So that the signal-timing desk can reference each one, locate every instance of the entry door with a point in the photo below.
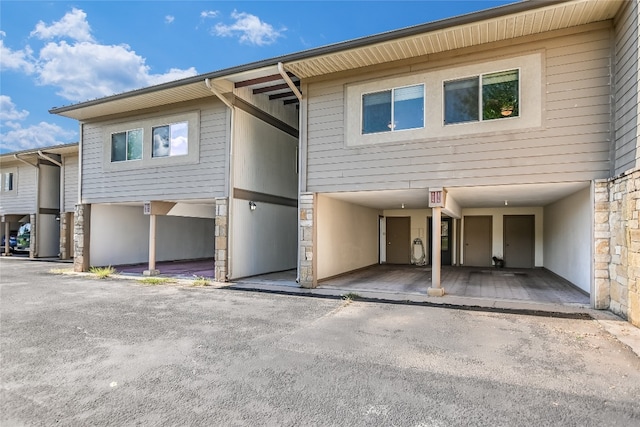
(519, 240)
(398, 240)
(446, 239)
(477, 241)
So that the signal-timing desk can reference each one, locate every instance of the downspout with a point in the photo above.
(226, 102)
(15, 156)
(298, 95)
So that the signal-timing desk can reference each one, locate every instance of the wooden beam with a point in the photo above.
(273, 88)
(282, 95)
(259, 80)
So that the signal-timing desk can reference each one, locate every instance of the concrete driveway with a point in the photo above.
(78, 351)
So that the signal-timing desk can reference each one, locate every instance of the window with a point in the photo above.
(170, 140)
(393, 110)
(497, 97)
(7, 185)
(126, 145)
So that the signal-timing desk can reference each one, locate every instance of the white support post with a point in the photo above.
(7, 252)
(152, 248)
(436, 287)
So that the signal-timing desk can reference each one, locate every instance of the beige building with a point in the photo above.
(508, 135)
(38, 194)
(504, 136)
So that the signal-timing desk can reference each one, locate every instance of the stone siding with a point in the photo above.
(617, 246)
(307, 238)
(81, 238)
(221, 239)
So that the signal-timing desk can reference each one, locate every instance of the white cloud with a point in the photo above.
(34, 136)
(209, 13)
(42, 134)
(8, 110)
(80, 68)
(18, 60)
(169, 19)
(86, 70)
(73, 25)
(250, 29)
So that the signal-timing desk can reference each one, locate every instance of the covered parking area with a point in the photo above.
(541, 232)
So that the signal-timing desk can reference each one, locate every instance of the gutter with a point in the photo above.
(46, 157)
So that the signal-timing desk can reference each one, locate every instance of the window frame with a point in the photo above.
(11, 172)
(169, 125)
(392, 121)
(480, 77)
(126, 147)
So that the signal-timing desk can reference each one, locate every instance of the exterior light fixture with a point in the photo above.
(252, 205)
(403, 206)
(506, 203)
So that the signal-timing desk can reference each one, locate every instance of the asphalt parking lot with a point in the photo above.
(79, 351)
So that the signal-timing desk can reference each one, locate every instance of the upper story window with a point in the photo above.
(485, 97)
(170, 140)
(126, 145)
(392, 110)
(8, 181)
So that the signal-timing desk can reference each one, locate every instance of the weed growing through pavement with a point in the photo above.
(103, 272)
(61, 270)
(156, 281)
(201, 281)
(350, 297)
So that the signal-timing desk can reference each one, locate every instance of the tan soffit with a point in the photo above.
(537, 21)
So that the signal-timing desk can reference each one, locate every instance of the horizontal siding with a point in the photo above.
(70, 183)
(23, 200)
(206, 179)
(573, 144)
(627, 88)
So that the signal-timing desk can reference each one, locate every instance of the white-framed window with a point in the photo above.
(152, 141)
(126, 145)
(393, 110)
(8, 182)
(483, 97)
(447, 113)
(170, 140)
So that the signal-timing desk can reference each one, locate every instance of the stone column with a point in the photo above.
(306, 246)
(600, 296)
(82, 238)
(65, 235)
(33, 236)
(221, 238)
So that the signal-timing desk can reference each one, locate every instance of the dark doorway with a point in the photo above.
(478, 234)
(398, 240)
(446, 239)
(519, 241)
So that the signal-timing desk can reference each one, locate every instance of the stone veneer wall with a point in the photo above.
(617, 246)
(221, 236)
(81, 233)
(65, 235)
(33, 236)
(306, 268)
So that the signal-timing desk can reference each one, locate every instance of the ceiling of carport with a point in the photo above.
(521, 195)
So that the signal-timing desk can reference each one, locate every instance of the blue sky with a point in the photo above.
(56, 53)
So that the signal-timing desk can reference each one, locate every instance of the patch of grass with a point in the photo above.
(61, 270)
(102, 272)
(200, 281)
(156, 280)
(351, 296)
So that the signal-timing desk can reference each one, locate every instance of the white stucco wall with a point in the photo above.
(567, 239)
(263, 240)
(347, 237)
(120, 235)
